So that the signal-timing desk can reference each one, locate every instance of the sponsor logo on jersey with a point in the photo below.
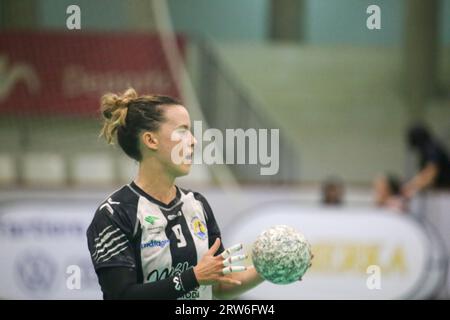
(154, 225)
(194, 294)
(154, 243)
(174, 216)
(151, 219)
(177, 282)
(199, 228)
(157, 275)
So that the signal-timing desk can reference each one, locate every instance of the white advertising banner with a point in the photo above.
(359, 253)
(44, 252)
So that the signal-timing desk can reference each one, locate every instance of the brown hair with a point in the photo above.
(126, 115)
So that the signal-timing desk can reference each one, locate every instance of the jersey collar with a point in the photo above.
(155, 201)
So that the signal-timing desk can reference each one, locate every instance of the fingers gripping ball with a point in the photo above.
(281, 255)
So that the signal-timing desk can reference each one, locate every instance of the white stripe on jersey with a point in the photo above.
(106, 238)
(101, 233)
(112, 251)
(115, 254)
(109, 244)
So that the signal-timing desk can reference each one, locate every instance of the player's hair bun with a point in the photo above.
(126, 115)
(114, 109)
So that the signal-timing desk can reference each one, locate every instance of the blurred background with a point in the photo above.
(343, 96)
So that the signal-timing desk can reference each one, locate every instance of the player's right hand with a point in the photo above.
(214, 269)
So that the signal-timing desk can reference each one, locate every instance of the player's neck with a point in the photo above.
(156, 182)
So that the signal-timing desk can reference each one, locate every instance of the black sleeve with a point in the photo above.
(211, 224)
(109, 241)
(121, 283)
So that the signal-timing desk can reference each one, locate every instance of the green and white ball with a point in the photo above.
(281, 255)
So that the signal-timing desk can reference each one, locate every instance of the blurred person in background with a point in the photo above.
(387, 193)
(151, 239)
(434, 162)
(332, 192)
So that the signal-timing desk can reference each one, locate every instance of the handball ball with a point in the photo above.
(281, 255)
